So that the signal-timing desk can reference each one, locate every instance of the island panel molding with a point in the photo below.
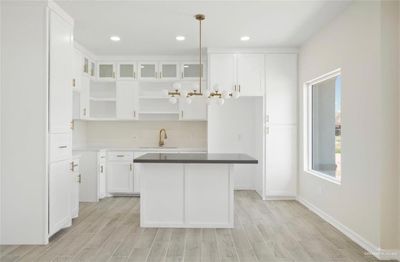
(188, 190)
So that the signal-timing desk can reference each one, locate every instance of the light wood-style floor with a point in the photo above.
(264, 231)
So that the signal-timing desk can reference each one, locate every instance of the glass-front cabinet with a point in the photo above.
(127, 70)
(169, 71)
(192, 70)
(92, 69)
(148, 70)
(86, 65)
(106, 71)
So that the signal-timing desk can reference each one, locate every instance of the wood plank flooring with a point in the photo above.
(264, 231)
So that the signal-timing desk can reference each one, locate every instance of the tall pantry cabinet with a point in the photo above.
(60, 121)
(35, 121)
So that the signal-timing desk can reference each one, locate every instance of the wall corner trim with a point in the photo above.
(379, 253)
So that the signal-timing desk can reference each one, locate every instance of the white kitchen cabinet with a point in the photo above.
(77, 70)
(281, 125)
(192, 71)
(61, 74)
(84, 97)
(250, 74)
(148, 71)
(106, 71)
(127, 100)
(136, 173)
(119, 172)
(86, 65)
(75, 180)
(222, 72)
(197, 110)
(169, 71)
(238, 72)
(120, 177)
(92, 69)
(127, 71)
(59, 196)
(102, 188)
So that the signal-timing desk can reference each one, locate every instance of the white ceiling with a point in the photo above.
(150, 27)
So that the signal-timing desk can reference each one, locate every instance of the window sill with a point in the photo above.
(324, 176)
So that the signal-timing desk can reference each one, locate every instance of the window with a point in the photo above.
(324, 127)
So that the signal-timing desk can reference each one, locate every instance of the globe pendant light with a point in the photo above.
(216, 94)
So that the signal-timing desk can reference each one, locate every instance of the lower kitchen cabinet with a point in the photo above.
(120, 177)
(59, 196)
(75, 181)
(102, 185)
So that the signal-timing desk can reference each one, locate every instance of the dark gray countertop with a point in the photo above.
(196, 158)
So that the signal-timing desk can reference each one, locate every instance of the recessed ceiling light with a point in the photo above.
(180, 38)
(115, 38)
(245, 38)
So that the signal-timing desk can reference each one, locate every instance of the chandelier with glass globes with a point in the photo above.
(216, 95)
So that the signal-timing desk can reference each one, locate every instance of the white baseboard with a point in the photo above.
(279, 198)
(379, 253)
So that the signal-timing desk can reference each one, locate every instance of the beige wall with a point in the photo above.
(140, 134)
(358, 41)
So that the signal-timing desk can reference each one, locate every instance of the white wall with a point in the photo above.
(355, 42)
(234, 128)
(23, 123)
(191, 134)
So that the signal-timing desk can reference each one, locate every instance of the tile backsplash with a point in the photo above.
(139, 134)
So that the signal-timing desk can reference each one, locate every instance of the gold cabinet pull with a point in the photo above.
(72, 124)
(84, 111)
(130, 167)
(134, 114)
(239, 88)
(101, 169)
(73, 82)
(79, 178)
(72, 166)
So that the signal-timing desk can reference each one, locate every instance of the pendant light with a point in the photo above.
(216, 94)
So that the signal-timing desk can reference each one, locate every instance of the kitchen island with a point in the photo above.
(187, 190)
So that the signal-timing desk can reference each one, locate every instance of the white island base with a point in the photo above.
(186, 195)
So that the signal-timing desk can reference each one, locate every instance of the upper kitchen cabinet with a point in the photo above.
(250, 74)
(281, 88)
(148, 71)
(92, 71)
(61, 78)
(127, 71)
(192, 71)
(243, 73)
(222, 72)
(196, 110)
(127, 100)
(169, 71)
(106, 71)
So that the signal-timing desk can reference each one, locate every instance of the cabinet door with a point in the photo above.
(59, 196)
(250, 74)
(169, 71)
(281, 88)
(192, 71)
(222, 71)
(148, 70)
(127, 99)
(92, 70)
(127, 71)
(77, 70)
(120, 177)
(281, 161)
(106, 71)
(84, 98)
(85, 65)
(61, 74)
(102, 180)
(197, 110)
(75, 188)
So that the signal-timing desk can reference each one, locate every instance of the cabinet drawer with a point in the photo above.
(60, 147)
(120, 156)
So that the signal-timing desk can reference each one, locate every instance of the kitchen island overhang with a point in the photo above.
(188, 190)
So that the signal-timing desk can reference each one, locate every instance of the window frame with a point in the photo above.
(307, 124)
